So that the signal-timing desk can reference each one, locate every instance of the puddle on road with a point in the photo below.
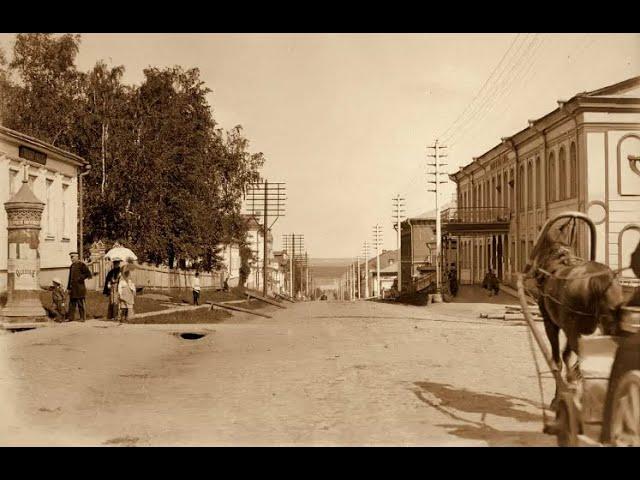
(192, 335)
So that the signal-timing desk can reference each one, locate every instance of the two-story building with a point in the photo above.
(582, 156)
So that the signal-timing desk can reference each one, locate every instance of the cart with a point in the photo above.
(603, 408)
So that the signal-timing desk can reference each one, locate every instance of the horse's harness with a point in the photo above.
(567, 261)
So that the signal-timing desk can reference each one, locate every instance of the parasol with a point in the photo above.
(124, 254)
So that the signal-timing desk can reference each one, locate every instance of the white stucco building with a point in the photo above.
(583, 156)
(53, 177)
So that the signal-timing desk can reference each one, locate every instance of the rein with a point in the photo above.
(589, 275)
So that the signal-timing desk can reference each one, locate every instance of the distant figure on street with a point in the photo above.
(126, 295)
(111, 289)
(491, 283)
(453, 280)
(78, 273)
(59, 300)
(195, 286)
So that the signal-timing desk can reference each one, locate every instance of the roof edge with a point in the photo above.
(23, 137)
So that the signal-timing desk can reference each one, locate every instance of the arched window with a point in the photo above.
(521, 187)
(551, 184)
(539, 184)
(627, 242)
(573, 173)
(512, 190)
(562, 177)
(529, 186)
(493, 192)
(505, 189)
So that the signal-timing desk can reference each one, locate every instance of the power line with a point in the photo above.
(498, 90)
(508, 67)
(527, 63)
(495, 69)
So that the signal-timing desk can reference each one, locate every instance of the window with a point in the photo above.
(13, 181)
(493, 193)
(552, 177)
(48, 215)
(573, 173)
(487, 194)
(538, 183)
(65, 219)
(521, 187)
(505, 189)
(562, 164)
(530, 185)
(512, 195)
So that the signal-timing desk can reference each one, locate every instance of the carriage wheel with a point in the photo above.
(625, 423)
(566, 424)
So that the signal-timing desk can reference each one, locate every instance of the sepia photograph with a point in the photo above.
(319, 239)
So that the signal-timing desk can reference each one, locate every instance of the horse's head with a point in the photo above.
(553, 246)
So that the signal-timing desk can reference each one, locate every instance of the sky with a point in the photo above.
(345, 119)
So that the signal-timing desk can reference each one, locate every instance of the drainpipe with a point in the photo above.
(510, 143)
(87, 169)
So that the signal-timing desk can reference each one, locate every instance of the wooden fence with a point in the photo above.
(152, 277)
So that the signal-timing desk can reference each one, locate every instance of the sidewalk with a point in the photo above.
(514, 293)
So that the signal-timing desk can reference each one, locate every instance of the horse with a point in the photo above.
(574, 295)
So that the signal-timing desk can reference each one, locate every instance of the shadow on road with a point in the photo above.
(446, 398)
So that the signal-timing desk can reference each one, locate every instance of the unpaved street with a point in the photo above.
(318, 373)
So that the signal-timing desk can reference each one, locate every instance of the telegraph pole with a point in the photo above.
(365, 252)
(291, 243)
(377, 239)
(358, 262)
(436, 181)
(268, 199)
(352, 278)
(306, 265)
(398, 206)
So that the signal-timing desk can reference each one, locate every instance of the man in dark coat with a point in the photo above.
(78, 273)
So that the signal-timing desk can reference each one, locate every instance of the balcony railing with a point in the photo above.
(476, 215)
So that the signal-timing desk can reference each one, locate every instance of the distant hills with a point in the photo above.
(325, 270)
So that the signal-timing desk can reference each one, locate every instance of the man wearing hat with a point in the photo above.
(111, 288)
(78, 273)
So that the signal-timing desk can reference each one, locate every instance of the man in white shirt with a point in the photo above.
(195, 285)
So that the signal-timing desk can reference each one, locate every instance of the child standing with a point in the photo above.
(126, 294)
(195, 285)
(59, 299)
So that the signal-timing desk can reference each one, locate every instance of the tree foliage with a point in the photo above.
(165, 179)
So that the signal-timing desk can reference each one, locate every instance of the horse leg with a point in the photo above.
(573, 371)
(553, 334)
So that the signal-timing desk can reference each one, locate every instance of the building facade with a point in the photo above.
(583, 156)
(53, 177)
(230, 253)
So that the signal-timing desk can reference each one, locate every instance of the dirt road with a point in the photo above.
(318, 373)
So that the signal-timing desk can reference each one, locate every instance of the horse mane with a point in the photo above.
(546, 248)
